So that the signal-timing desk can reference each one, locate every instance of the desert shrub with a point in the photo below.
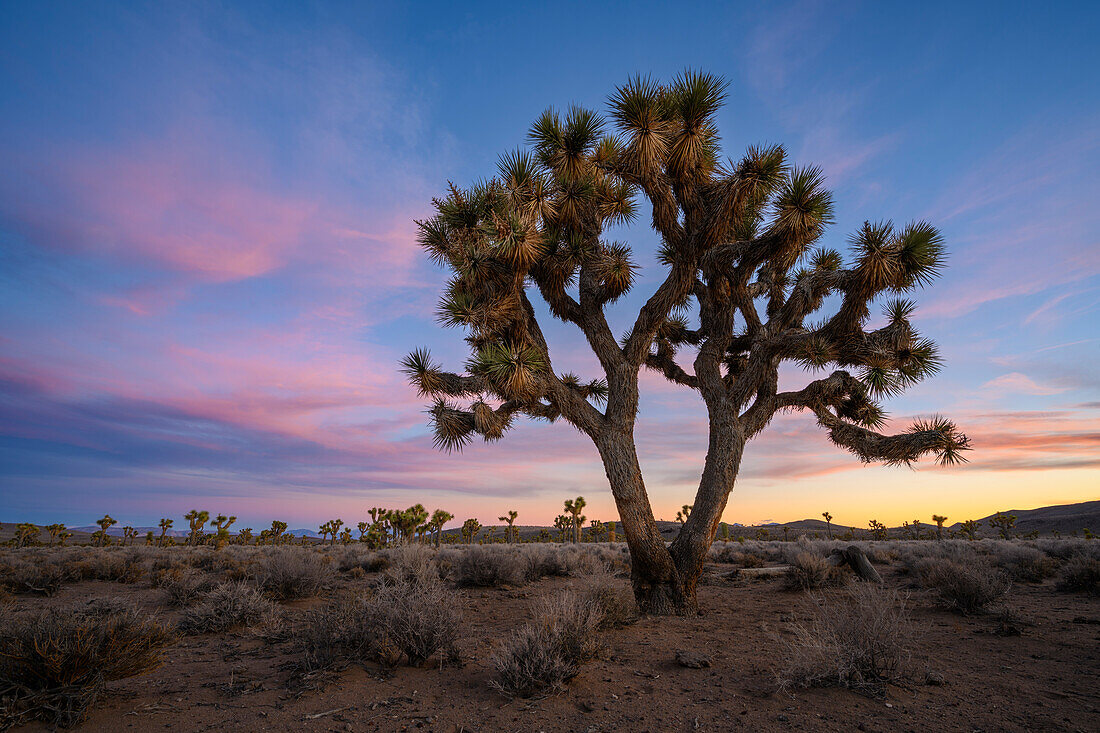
(416, 617)
(970, 588)
(542, 561)
(1080, 573)
(748, 560)
(544, 654)
(333, 635)
(410, 562)
(807, 572)
(859, 640)
(1024, 563)
(182, 589)
(44, 578)
(286, 573)
(482, 567)
(614, 600)
(228, 606)
(53, 665)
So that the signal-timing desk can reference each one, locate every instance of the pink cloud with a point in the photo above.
(1019, 383)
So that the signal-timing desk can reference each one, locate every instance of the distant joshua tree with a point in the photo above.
(165, 524)
(878, 529)
(970, 528)
(104, 525)
(610, 531)
(54, 530)
(743, 292)
(222, 523)
(828, 523)
(683, 514)
(939, 519)
(128, 535)
(1003, 523)
(470, 528)
(26, 534)
(563, 523)
(439, 518)
(196, 521)
(573, 507)
(510, 533)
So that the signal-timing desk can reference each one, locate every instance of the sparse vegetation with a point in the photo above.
(859, 638)
(808, 572)
(968, 588)
(547, 652)
(54, 664)
(228, 606)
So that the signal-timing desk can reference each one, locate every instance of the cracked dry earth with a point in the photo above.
(1046, 678)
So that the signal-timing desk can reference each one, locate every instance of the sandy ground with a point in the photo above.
(1047, 678)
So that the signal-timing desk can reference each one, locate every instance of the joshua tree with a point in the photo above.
(939, 519)
(610, 531)
(62, 536)
(470, 528)
(970, 528)
(878, 529)
(345, 536)
(128, 535)
(736, 239)
(563, 523)
(104, 524)
(573, 507)
(223, 523)
(510, 533)
(597, 530)
(26, 534)
(196, 521)
(54, 530)
(683, 514)
(828, 523)
(165, 524)
(1003, 523)
(244, 537)
(439, 518)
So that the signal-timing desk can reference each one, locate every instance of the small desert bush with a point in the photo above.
(286, 573)
(43, 577)
(858, 639)
(1080, 573)
(228, 606)
(409, 562)
(1023, 563)
(547, 652)
(53, 664)
(613, 598)
(808, 572)
(970, 588)
(417, 617)
(185, 588)
(334, 635)
(481, 566)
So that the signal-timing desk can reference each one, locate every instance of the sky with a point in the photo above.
(208, 268)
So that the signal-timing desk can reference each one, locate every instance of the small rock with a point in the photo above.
(694, 660)
(935, 679)
(782, 718)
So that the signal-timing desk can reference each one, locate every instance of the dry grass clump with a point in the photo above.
(859, 640)
(483, 567)
(1080, 573)
(410, 563)
(1023, 563)
(53, 665)
(184, 588)
(807, 572)
(418, 618)
(228, 606)
(970, 588)
(547, 652)
(286, 573)
(614, 599)
(413, 619)
(44, 577)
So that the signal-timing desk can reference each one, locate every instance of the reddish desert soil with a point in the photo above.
(1047, 678)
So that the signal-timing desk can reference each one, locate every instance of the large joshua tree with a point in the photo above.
(744, 277)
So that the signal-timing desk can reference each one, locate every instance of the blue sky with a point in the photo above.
(208, 270)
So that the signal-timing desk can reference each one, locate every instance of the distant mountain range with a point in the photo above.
(1062, 518)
